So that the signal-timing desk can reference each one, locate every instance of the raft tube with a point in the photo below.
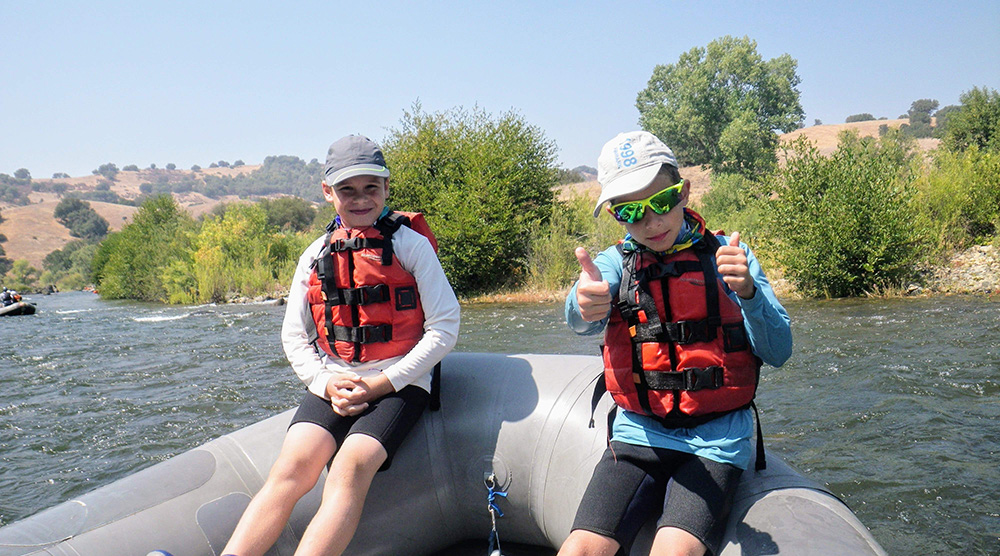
(522, 418)
(17, 308)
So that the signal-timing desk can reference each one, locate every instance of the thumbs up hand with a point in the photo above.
(732, 263)
(593, 294)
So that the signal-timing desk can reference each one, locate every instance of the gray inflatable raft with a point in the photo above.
(522, 418)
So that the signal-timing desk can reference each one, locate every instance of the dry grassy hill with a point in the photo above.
(823, 136)
(32, 232)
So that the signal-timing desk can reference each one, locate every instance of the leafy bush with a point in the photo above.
(976, 123)
(69, 268)
(21, 276)
(289, 213)
(483, 182)
(863, 117)
(734, 204)
(844, 225)
(960, 198)
(552, 263)
(128, 264)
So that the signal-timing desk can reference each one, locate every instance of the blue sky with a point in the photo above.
(84, 83)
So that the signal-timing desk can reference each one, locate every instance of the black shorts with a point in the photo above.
(631, 483)
(388, 419)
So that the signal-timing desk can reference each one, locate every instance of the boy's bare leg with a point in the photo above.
(587, 543)
(344, 493)
(672, 541)
(305, 452)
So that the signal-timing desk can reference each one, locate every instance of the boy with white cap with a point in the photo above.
(370, 313)
(688, 318)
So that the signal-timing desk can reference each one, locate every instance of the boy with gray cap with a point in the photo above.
(688, 317)
(370, 313)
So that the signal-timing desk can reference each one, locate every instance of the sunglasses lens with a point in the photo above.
(629, 212)
(665, 200)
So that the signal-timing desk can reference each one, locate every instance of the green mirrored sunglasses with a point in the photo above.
(632, 211)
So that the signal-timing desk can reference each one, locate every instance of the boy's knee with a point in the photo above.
(360, 456)
(587, 543)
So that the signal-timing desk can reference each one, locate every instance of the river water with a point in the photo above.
(893, 404)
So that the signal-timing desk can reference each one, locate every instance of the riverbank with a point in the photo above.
(975, 271)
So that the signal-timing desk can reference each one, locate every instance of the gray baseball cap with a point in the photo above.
(628, 163)
(354, 155)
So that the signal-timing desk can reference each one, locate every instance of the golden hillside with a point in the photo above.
(823, 136)
(32, 232)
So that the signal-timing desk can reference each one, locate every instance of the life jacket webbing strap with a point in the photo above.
(387, 226)
(364, 295)
(680, 332)
(630, 293)
(691, 379)
(761, 462)
(367, 334)
(357, 244)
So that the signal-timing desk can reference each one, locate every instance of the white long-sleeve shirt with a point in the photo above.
(441, 322)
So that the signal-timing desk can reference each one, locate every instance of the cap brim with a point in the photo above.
(635, 180)
(357, 170)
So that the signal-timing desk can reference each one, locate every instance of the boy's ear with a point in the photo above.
(327, 192)
(685, 191)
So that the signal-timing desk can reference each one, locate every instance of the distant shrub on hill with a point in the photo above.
(80, 218)
(289, 175)
(864, 117)
(109, 170)
(130, 168)
(14, 190)
(564, 176)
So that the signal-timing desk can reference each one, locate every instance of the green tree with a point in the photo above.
(691, 104)
(482, 181)
(976, 123)
(22, 174)
(80, 218)
(919, 115)
(108, 170)
(129, 263)
(21, 276)
(289, 213)
(844, 225)
(863, 117)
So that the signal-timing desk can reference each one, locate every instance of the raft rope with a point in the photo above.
(495, 512)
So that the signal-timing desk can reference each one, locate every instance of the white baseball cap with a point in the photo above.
(628, 163)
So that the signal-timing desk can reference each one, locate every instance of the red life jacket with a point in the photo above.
(676, 347)
(364, 304)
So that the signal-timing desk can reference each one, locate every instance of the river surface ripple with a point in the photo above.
(893, 404)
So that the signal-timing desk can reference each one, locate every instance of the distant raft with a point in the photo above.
(521, 418)
(18, 308)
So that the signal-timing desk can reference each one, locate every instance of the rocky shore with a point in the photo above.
(973, 271)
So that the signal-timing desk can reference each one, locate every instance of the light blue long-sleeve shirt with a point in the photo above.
(726, 439)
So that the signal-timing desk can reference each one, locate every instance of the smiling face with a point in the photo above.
(359, 200)
(657, 231)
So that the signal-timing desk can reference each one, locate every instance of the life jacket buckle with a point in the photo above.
(352, 244)
(709, 378)
(376, 333)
